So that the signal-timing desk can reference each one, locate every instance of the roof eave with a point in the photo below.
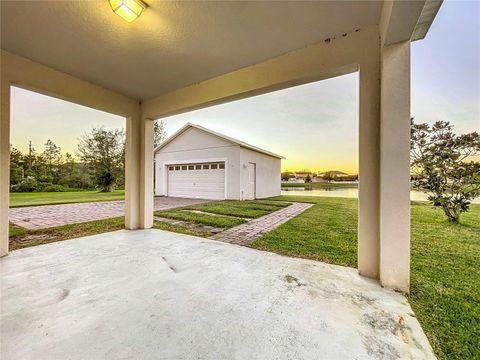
(427, 16)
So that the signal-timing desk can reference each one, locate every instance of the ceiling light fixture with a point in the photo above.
(128, 10)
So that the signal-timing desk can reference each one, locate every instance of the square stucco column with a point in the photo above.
(369, 160)
(139, 173)
(395, 167)
(132, 169)
(146, 172)
(4, 165)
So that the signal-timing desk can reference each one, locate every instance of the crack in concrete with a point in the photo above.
(170, 266)
(293, 280)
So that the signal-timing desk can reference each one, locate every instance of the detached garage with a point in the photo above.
(197, 162)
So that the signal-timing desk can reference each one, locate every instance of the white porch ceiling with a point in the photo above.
(173, 44)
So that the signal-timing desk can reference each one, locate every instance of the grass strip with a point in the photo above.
(22, 238)
(199, 218)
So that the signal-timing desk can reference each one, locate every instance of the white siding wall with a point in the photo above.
(197, 146)
(267, 173)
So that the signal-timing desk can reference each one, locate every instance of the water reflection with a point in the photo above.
(347, 192)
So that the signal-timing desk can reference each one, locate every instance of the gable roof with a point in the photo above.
(211, 132)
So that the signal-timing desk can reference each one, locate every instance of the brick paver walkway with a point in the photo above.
(36, 217)
(245, 234)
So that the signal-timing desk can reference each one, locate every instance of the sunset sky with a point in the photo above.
(315, 126)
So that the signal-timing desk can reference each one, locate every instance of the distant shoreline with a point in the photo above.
(321, 185)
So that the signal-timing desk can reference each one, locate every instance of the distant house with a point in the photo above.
(303, 175)
(318, 179)
(196, 162)
(334, 175)
(295, 180)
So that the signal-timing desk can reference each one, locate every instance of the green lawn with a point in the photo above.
(162, 225)
(244, 209)
(223, 214)
(44, 198)
(445, 275)
(22, 238)
(197, 218)
(325, 232)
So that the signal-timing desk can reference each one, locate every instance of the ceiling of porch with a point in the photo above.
(173, 44)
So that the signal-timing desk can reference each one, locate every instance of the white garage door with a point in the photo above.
(203, 181)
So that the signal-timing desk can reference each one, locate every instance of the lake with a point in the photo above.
(348, 193)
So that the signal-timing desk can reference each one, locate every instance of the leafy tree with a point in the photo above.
(308, 179)
(52, 154)
(329, 176)
(103, 151)
(17, 162)
(159, 132)
(27, 184)
(286, 175)
(443, 166)
(52, 158)
(69, 161)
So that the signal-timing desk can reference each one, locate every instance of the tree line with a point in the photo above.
(99, 163)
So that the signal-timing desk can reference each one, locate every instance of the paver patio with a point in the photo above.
(152, 294)
(44, 216)
(245, 234)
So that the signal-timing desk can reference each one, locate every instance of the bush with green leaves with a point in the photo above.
(444, 166)
(54, 188)
(28, 184)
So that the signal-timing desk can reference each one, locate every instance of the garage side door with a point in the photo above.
(198, 180)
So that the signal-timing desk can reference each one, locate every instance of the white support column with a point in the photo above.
(132, 169)
(139, 173)
(395, 167)
(4, 165)
(146, 175)
(369, 160)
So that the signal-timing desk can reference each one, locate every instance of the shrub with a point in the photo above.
(45, 178)
(42, 185)
(16, 174)
(28, 184)
(54, 188)
(77, 181)
(445, 166)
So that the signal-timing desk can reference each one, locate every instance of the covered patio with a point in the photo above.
(152, 294)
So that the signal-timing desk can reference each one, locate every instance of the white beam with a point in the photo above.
(329, 58)
(25, 73)
(404, 20)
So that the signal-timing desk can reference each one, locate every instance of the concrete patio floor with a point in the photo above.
(151, 294)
